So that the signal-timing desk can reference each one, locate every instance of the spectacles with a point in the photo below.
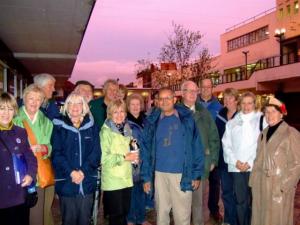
(169, 98)
(191, 91)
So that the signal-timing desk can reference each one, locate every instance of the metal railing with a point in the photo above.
(250, 19)
(266, 63)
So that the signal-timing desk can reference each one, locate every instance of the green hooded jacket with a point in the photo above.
(116, 173)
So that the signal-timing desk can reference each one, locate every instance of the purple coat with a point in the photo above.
(12, 194)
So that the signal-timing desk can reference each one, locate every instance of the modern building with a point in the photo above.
(262, 54)
(40, 37)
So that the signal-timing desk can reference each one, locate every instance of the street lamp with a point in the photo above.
(169, 74)
(279, 34)
(246, 62)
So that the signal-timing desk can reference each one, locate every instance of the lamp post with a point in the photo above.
(169, 74)
(246, 63)
(279, 34)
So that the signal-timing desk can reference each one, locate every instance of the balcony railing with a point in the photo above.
(266, 63)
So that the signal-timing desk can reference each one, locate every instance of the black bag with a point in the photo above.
(30, 199)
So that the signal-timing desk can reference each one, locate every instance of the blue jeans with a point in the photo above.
(228, 197)
(137, 210)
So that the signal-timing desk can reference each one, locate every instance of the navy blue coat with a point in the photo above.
(75, 149)
(137, 130)
(12, 194)
(193, 167)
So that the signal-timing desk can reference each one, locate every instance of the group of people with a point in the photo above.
(170, 150)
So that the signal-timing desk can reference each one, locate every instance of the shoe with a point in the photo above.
(217, 217)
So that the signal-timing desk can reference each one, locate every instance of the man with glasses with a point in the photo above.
(210, 140)
(171, 151)
(212, 104)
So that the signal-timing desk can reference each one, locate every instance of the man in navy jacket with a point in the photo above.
(172, 149)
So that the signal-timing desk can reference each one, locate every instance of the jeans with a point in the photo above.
(137, 210)
(228, 197)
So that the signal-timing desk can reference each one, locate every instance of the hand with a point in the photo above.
(39, 148)
(27, 180)
(147, 187)
(132, 156)
(246, 167)
(239, 165)
(195, 184)
(243, 167)
(212, 166)
(77, 176)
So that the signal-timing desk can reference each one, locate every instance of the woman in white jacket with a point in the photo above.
(239, 144)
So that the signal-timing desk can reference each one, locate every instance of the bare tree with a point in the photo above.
(202, 64)
(182, 43)
(142, 65)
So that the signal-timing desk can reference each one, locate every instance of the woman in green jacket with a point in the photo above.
(41, 127)
(116, 175)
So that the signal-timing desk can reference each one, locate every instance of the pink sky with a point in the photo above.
(122, 31)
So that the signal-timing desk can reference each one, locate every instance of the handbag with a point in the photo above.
(20, 170)
(45, 172)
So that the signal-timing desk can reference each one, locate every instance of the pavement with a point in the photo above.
(151, 217)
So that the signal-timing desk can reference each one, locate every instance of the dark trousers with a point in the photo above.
(228, 196)
(117, 205)
(137, 210)
(243, 197)
(76, 210)
(214, 191)
(16, 215)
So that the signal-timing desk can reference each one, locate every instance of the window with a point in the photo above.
(280, 14)
(288, 10)
(296, 7)
(248, 39)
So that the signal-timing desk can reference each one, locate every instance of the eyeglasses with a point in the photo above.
(3, 108)
(169, 98)
(191, 91)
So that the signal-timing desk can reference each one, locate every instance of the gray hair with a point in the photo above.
(42, 79)
(75, 97)
(185, 83)
(108, 82)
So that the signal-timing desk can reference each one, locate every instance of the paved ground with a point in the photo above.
(151, 213)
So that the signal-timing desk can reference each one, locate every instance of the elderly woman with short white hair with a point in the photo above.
(36, 123)
(75, 158)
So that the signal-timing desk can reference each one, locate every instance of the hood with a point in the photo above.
(88, 122)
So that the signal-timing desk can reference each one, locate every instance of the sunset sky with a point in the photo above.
(122, 31)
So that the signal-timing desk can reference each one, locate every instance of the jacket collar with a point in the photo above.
(88, 122)
(183, 113)
(127, 131)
